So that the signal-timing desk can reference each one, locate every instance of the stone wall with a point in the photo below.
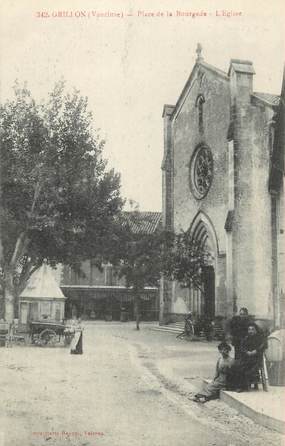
(187, 136)
(252, 281)
(237, 211)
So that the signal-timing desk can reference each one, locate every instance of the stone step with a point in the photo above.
(175, 328)
(174, 324)
(171, 328)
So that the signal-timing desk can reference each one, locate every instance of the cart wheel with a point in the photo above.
(48, 337)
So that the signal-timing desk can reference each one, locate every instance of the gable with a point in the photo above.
(201, 71)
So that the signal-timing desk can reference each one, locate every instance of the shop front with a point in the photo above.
(108, 302)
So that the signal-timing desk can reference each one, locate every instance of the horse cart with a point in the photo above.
(50, 333)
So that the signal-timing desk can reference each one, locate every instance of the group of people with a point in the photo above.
(242, 371)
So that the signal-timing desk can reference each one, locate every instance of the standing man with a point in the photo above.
(76, 347)
(239, 330)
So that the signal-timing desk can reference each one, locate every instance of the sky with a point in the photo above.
(130, 66)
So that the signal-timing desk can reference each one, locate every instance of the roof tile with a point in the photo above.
(271, 99)
(143, 222)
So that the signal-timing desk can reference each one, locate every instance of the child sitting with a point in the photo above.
(224, 363)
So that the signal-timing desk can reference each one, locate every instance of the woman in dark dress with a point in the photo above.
(246, 369)
(238, 330)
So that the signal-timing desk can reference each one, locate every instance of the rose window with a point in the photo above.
(201, 172)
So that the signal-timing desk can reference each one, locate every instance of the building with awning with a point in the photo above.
(106, 302)
(100, 294)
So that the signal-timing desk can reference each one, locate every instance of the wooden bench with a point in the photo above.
(9, 334)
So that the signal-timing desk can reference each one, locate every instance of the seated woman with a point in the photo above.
(224, 364)
(238, 329)
(246, 370)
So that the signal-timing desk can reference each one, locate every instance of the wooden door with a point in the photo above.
(209, 292)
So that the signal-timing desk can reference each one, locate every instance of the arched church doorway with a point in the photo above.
(205, 299)
(209, 292)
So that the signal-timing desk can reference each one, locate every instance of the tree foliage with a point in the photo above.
(145, 257)
(141, 261)
(141, 251)
(59, 199)
(184, 260)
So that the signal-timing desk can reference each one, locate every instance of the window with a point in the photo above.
(45, 310)
(57, 312)
(201, 171)
(199, 104)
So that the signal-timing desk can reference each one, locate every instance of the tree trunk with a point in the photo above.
(9, 271)
(137, 309)
(9, 296)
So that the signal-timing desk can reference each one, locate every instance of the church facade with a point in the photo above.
(223, 144)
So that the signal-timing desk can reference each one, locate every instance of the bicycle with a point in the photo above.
(188, 329)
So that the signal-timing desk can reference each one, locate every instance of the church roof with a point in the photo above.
(143, 222)
(199, 64)
(42, 285)
(238, 65)
(214, 69)
(270, 99)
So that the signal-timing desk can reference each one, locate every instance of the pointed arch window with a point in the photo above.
(199, 104)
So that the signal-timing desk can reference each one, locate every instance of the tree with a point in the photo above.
(59, 200)
(141, 265)
(184, 261)
(139, 252)
(146, 257)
